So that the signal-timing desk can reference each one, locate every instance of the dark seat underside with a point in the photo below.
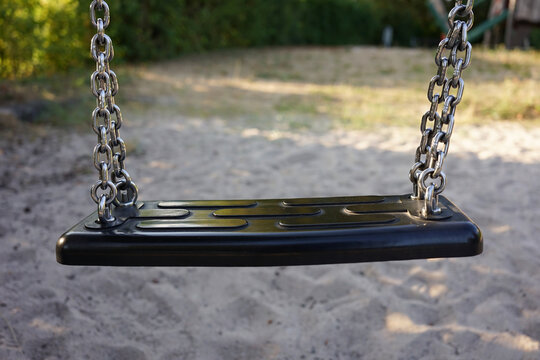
(274, 232)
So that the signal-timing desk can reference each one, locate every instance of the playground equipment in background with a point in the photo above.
(521, 17)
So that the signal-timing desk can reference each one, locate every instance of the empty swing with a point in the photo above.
(274, 232)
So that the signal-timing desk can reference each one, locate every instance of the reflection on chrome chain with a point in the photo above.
(114, 184)
(427, 174)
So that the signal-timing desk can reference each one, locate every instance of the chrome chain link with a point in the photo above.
(114, 185)
(429, 158)
(427, 174)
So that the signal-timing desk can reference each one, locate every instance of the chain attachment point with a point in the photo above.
(110, 152)
(431, 203)
(430, 154)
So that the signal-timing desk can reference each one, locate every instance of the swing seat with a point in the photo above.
(278, 232)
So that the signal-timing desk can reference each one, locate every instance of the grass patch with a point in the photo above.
(512, 100)
(69, 112)
(299, 88)
(59, 100)
(296, 104)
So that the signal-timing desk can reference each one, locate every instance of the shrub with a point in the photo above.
(46, 36)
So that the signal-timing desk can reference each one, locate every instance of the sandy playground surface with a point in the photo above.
(486, 307)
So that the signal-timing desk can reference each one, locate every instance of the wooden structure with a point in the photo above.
(525, 15)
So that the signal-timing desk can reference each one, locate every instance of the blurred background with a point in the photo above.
(44, 57)
(44, 36)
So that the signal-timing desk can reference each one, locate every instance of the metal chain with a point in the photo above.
(435, 141)
(114, 185)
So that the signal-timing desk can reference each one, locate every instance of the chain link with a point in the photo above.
(429, 157)
(114, 185)
(427, 174)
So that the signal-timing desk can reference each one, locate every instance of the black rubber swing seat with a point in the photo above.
(276, 232)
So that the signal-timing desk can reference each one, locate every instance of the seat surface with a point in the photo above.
(271, 232)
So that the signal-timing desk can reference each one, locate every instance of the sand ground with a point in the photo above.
(485, 307)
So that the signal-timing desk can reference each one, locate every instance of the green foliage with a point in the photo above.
(155, 29)
(18, 45)
(410, 19)
(39, 36)
(47, 36)
(535, 38)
